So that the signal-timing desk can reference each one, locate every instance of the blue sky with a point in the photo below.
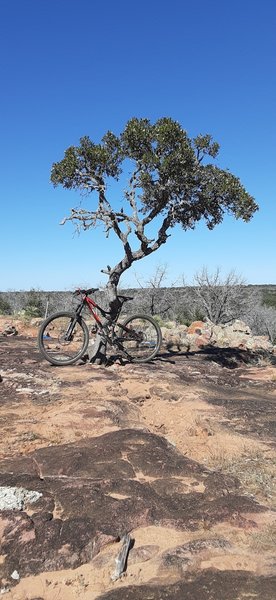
(73, 68)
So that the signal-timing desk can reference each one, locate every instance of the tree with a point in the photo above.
(262, 320)
(150, 299)
(222, 299)
(170, 182)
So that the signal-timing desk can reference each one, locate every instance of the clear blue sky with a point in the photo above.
(79, 67)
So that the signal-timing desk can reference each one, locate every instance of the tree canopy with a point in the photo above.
(172, 177)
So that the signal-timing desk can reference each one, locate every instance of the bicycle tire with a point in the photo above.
(54, 347)
(147, 347)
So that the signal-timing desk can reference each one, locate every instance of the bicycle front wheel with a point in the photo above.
(139, 337)
(63, 338)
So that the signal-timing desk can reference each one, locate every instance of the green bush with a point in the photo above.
(161, 322)
(30, 311)
(187, 317)
(183, 320)
(269, 299)
(5, 308)
(34, 307)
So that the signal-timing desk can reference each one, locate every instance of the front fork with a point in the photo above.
(70, 329)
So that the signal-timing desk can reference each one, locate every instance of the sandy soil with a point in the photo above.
(215, 416)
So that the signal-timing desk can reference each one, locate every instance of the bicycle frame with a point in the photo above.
(113, 340)
(91, 305)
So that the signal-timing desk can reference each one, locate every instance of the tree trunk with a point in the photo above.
(97, 354)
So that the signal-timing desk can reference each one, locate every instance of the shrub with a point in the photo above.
(269, 299)
(187, 317)
(161, 322)
(34, 307)
(5, 308)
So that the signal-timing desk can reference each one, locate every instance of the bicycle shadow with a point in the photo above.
(230, 358)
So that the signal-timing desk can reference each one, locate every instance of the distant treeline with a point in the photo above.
(168, 302)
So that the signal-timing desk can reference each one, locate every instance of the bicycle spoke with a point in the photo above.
(139, 337)
(62, 339)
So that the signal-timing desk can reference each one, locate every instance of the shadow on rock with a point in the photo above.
(95, 491)
(209, 585)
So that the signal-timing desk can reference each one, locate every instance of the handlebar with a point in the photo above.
(85, 292)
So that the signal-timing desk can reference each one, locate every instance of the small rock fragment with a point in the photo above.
(122, 557)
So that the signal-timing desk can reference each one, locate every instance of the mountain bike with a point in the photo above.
(64, 337)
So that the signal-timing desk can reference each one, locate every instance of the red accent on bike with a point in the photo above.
(90, 303)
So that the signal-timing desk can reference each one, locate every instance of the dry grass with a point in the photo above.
(255, 469)
(199, 425)
(265, 540)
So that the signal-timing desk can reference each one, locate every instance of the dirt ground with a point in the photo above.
(179, 453)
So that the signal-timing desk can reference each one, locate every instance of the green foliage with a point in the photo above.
(84, 166)
(269, 298)
(170, 173)
(187, 317)
(34, 306)
(182, 320)
(161, 322)
(5, 308)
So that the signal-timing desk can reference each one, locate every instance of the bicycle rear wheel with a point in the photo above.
(139, 337)
(63, 338)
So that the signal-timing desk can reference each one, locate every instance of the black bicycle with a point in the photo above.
(64, 336)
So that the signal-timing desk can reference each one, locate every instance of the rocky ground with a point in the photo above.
(179, 453)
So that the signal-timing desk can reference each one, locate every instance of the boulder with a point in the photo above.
(200, 328)
(36, 322)
(200, 334)
(240, 326)
(175, 338)
(9, 330)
